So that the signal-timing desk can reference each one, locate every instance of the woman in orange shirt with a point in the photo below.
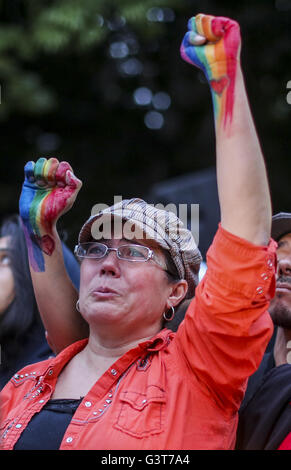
(133, 384)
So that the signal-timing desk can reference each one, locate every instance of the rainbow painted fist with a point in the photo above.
(213, 45)
(49, 190)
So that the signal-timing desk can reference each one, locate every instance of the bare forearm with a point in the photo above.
(56, 298)
(49, 190)
(213, 44)
(241, 174)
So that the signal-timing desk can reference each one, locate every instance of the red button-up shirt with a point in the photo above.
(178, 390)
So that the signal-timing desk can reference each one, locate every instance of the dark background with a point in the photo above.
(69, 72)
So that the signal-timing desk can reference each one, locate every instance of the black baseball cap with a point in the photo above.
(281, 224)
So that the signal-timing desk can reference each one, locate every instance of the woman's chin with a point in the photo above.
(102, 311)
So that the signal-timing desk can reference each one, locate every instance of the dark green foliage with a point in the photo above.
(69, 70)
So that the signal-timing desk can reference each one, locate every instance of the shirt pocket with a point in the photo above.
(141, 414)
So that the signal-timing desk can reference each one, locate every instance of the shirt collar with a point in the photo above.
(156, 343)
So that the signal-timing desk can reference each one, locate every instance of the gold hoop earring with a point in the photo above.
(169, 318)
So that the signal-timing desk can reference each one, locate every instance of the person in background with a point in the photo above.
(22, 335)
(132, 383)
(265, 415)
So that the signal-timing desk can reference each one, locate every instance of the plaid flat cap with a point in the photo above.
(142, 220)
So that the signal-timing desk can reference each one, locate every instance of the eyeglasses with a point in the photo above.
(134, 253)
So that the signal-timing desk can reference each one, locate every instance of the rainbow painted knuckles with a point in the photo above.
(217, 56)
(47, 192)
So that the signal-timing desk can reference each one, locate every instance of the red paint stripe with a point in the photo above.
(231, 50)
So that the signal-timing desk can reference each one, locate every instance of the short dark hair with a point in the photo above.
(172, 271)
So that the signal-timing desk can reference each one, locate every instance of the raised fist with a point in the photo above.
(213, 45)
(49, 190)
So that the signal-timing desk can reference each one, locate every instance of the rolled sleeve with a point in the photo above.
(238, 266)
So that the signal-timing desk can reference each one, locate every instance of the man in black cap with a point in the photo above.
(265, 415)
(280, 307)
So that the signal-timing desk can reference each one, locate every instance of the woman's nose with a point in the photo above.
(110, 264)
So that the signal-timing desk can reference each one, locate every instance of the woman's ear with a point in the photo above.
(178, 292)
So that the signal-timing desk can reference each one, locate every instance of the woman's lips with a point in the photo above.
(104, 292)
